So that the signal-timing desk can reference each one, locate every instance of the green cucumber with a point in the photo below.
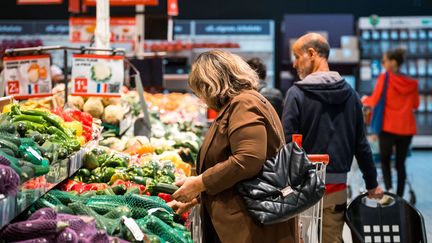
(165, 188)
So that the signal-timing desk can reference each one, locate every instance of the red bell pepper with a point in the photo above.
(166, 197)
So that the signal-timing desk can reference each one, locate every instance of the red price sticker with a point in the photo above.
(13, 87)
(81, 85)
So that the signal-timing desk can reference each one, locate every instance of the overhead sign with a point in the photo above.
(53, 27)
(232, 28)
(28, 76)
(37, 2)
(182, 28)
(82, 29)
(172, 7)
(97, 75)
(125, 2)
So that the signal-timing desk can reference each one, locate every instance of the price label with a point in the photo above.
(97, 75)
(28, 76)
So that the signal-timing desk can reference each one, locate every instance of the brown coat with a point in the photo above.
(245, 133)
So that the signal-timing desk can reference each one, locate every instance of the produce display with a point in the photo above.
(31, 140)
(155, 219)
(124, 179)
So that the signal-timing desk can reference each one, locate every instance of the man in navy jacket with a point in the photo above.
(328, 113)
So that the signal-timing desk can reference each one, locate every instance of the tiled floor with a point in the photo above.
(419, 171)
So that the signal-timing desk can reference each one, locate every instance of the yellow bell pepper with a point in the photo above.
(81, 140)
(76, 126)
(7, 108)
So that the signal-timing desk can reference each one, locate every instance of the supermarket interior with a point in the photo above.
(135, 121)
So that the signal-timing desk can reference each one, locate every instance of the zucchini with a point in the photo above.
(119, 212)
(7, 151)
(10, 137)
(165, 188)
(8, 144)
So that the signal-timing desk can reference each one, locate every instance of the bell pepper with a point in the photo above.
(166, 197)
(76, 126)
(98, 186)
(121, 176)
(69, 185)
(106, 173)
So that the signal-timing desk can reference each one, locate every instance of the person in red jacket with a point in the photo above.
(399, 124)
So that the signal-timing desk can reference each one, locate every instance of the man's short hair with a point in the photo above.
(322, 47)
(259, 67)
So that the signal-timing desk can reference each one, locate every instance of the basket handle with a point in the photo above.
(319, 158)
(315, 158)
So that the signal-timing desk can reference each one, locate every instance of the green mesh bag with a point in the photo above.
(147, 203)
(52, 199)
(160, 228)
(65, 197)
(103, 204)
(119, 212)
(111, 226)
(28, 142)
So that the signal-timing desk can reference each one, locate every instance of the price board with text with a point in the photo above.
(97, 75)
(28, 76)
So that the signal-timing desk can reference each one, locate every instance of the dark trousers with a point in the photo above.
(401, 143)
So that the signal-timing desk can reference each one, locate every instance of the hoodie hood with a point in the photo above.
(401, 83)
(328, 87)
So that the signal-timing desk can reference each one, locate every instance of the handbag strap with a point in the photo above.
(267, 103)
(386, 80)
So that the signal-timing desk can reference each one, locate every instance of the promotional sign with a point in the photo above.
(42, 2)
(28, 76)
(232, 27)
(82, 29)
(125, 2)
(173, 8)
(97, 75)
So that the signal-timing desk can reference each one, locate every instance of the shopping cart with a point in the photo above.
(310, 221)
(391, 220)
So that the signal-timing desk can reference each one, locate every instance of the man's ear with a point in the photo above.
(311, 52)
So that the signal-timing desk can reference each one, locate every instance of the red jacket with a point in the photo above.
(401, 101)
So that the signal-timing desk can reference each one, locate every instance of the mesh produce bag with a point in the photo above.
(160, 228)
(104, 204)
(66, 197)
(146, 203)
(111, 226)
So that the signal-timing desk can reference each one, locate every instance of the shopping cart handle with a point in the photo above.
(321, 158)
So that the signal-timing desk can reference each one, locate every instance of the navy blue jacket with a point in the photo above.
(328, 113)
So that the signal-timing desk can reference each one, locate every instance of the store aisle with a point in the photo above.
(419, 168)
(419, 172)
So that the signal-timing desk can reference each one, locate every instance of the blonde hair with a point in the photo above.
(217, 76)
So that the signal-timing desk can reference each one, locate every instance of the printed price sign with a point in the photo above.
(97, 75)
(81, 29)
(28, 76)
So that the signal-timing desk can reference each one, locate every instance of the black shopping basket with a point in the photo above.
(392, 221)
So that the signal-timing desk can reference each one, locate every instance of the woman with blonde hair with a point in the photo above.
(246, 132)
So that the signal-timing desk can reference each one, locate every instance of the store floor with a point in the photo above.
(419, 172)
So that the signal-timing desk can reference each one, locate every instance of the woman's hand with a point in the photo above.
(189, 189)
(180, 207)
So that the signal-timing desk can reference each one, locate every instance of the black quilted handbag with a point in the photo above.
(287, 185)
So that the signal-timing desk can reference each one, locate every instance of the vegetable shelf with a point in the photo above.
(32, 190)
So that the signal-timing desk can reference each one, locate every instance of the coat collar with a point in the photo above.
(209, 137)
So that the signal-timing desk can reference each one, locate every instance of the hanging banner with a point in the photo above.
(82, 29)
(125, 2)
(97, 75)
(37, 2)
(173, 8)
(28, 76)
